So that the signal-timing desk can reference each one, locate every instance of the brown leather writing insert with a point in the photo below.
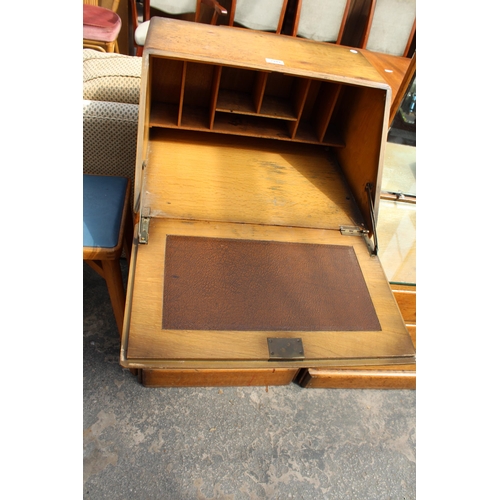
(253, 285)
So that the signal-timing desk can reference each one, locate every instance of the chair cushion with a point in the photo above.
(103, 201)
(111, 77)
(100, 24)
(109, 138)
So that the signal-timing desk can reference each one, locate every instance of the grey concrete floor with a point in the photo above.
(237, 442)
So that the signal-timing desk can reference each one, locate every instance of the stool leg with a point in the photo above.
(114, 280)
(128, 239)
(110, 46)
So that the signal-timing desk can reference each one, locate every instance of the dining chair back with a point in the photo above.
(260, 15)
(391, 27)
(321, 20)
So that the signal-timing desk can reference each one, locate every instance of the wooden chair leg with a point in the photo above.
(96, 266)
(112, 47)
(114, 281)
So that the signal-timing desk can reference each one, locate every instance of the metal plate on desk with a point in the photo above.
(285, 348)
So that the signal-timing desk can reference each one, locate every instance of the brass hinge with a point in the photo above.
(371, 196)
(358, 231)
(352, 231)
(144, 230)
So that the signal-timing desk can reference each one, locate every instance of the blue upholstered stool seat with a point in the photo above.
(107, 232)
(103, 201)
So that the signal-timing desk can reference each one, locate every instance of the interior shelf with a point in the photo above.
(252, 126)
(164, 115)
(274, 107)
(232, 101)
(212, 97)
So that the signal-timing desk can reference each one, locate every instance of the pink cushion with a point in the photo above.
(100, 24)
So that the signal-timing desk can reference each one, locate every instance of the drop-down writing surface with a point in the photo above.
(147, 339)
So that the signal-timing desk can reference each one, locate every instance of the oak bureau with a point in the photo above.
(256, 197)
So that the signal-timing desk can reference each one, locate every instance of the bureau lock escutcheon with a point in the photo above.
(285, 348)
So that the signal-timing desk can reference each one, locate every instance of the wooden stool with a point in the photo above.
(107, 231)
